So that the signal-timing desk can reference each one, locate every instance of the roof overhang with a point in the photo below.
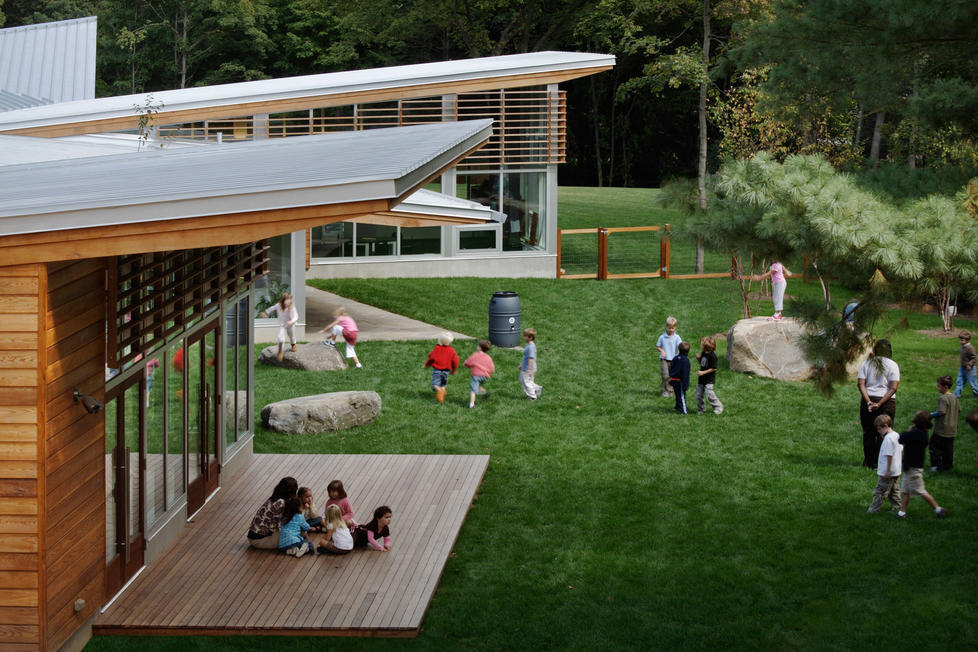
(305, 92)
(429, 208)
(228, 194)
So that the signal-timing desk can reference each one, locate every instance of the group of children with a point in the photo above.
(904, 454)
(285, 519)
(444, 362)
(674, 367)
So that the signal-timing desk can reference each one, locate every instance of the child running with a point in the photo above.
(338, 539)
(309, 511)
(482, 367)
(914, 444)
(343, 327)
(287, 318)
(888, 467)
(292, 540)
(337, 496)
(528, 366)
(369, 535)
(706, 377)
(443, 361)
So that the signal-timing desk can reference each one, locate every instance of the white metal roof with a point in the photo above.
(48, 62)
(429, 202)
(164, 184)
(15, 150)
(322, 85)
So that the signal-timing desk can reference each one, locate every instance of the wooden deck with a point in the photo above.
(211, 582)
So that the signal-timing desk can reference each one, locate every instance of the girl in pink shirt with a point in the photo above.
(337, 496)
(343, 327)
(777, 274)
(482, 367)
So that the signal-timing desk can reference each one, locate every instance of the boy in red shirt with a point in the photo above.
(482, 367)
(443, 360)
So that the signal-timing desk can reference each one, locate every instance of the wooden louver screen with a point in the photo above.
(155, 296)
(529, 126)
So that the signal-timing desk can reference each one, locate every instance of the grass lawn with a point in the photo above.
(606, 521)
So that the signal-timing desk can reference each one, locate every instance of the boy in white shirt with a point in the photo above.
(888, 467)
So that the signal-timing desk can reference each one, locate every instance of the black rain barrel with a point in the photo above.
(504, 319)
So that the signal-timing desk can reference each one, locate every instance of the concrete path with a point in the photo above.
(374, 324)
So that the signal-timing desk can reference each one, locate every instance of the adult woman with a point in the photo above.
(878, 380)
(263, 533)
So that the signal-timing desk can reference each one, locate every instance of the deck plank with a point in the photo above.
(210, 582)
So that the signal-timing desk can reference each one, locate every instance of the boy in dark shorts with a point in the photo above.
(914, 444)
(679, 377)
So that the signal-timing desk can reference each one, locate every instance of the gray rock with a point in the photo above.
(322, 412)
(772, 349)
(312, 356)
(242, 410)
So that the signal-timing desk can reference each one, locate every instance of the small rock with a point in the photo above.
(322, 412)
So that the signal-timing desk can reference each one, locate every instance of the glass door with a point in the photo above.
(202, 428)
(125, 453)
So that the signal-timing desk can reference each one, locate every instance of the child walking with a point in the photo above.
(481, 366)
(292, 539)
(945, 426)
(287, 318)
(966, 372)
(888, 467)
(443, 361)
(679, 377)
(706, 377)
(309, 511)
(777, 273)
(370, 535)
(337, 496)
(667, 345)
(343, 327)
(338, 539)
(528, 366)
(914, 443)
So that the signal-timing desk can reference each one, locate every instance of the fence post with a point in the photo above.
(602, 254)
(558, 253)
(664, 253)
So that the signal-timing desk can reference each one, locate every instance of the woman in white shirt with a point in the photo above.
(878, 380)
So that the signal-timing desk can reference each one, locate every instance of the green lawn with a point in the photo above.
(606, 521)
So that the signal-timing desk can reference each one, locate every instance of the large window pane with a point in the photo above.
(483, 188)
(242, 367)
(420, 240)
(111, 439)
(332, 240)
(525, 203)
(476, 239)
(155, 442)
(376, 240)
(269, 288)
(175, 478)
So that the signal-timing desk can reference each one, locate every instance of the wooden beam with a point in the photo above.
(303, 103)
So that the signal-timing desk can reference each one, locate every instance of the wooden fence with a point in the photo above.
(614, 259)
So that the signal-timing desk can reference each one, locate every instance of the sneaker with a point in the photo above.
(471, 407)
(301, 550)
(941, 512)
(901, 515)
(359, 366)
(720, 411)
(328, 343)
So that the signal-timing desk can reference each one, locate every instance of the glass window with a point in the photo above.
(525, 204)
(111, 440)
(243, 408)
(238, 332)
(175, 475)
(483, 188)
(269, 288)
(469, 239)
(420, 240)
(333, 240)
(375, 240)
(155, 442)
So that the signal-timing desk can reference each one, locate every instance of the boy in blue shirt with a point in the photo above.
(667, 345)
(679, 377)
(528, 366)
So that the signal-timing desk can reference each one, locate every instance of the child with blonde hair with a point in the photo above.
(343, 327)
(443, 361)
(338, 539)
(667, 345)
(707, 377)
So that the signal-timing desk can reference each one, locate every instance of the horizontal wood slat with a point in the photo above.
(211, 582)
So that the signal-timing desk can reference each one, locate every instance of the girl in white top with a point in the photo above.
(338, 539)
(287, 318)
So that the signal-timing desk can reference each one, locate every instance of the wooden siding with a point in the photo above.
(21, 415)
(73, 346)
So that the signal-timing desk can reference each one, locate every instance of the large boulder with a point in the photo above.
(322, 412)
(768, 348)
(230, 412)
(312, 356)
(773, 349)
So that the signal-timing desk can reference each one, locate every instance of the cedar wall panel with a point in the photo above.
(73, 348)
(22, 292)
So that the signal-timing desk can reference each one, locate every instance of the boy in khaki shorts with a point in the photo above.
(914, 444)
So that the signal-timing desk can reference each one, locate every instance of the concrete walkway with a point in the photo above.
(374, 324)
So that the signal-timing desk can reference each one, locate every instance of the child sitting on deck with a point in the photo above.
(369, 535)
(337, 496)
(292, 540)
(338, 539)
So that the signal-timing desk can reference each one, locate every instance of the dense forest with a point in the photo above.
(863, 82)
